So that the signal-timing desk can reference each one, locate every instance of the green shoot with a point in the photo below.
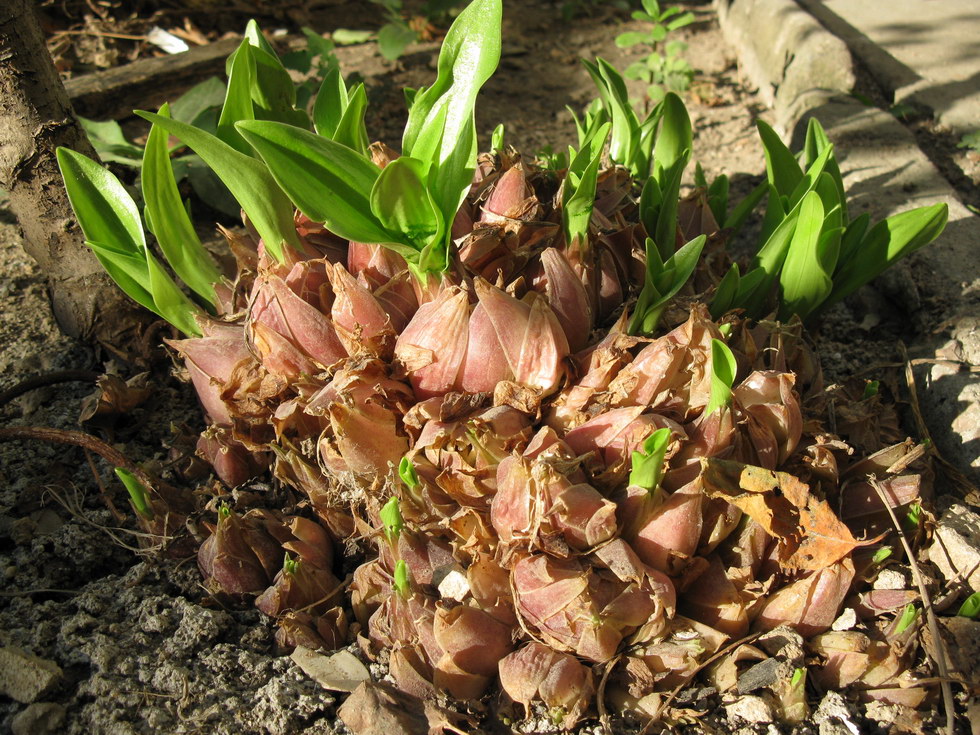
(391, 518)
(578, 189)
(913, 517)
(908, 616)
(648, 461)
(112, 227)
(407, 473)
(870, 389)
(138, 494)
(881, 555)
(970, 607)
(290, 566)
(723, 369)
(402, 583)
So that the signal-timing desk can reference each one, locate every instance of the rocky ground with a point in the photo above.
(95, 638)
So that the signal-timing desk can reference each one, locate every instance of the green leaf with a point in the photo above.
(718, 199)
(662, 282)
(391, 519)
(578, 191)
(128, 271)
(648, 462)
(887, 242)
(191, 105)
(327, 181)
(675, 135)
(805, 277)
(666, 233)
(908, 616)
(737, 218)
(170, 222)
(249, 181)
(853, 236)
(331, 101)
(109, 142)
(238, 99)
(401, 203)
(441, 128)
(322, 47)
(724, 298)
(681, 21)
(106, 212)
(723, 369)
(407, 473)
(970, 607)
(401, 578)
(137, 492)
(497, 138)
(347, 37)
(171, 303)
(394, 38)
(351, 130)
(630, 38)
(272, 90)
(781, 167)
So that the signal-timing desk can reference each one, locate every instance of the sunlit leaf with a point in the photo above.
(249, 180)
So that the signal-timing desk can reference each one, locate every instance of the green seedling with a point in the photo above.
(664, 69)
(881, 555)
(908, 616)
(138, 494)
(290, 566)
(913, 517)
(391, 518)
(812, 254)
(648, 462)
(578, 189)
(723, 369)
(402, 582)
(871, 388)
(407, 473)
(970, 607)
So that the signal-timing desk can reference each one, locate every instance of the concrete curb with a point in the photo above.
(796, 63)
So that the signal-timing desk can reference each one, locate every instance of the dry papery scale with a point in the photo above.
(507, 494)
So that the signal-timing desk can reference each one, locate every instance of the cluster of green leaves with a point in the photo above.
(664, 69)
(632, 141)
(263, 150)
(408, 206)
(812, 253)
(579, 187)
(396, 34)
(667, 267)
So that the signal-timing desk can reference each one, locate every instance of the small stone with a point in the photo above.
(890, 579)
(26, 677)
(763, 674)
(956, 548)
(750, 708)
(846, 620)
(39, 718)
(833, 716)
(454, 586)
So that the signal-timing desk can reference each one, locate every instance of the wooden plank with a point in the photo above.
(114, 93)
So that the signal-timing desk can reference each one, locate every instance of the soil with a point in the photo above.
(141, 646)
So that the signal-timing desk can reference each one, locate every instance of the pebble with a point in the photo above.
(750, 708)
(40, 718)
(956, 548)
(26, 677)
(890, 579)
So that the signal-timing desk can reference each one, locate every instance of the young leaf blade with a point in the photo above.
(327, 181)
(249, 180)
(171, 224)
